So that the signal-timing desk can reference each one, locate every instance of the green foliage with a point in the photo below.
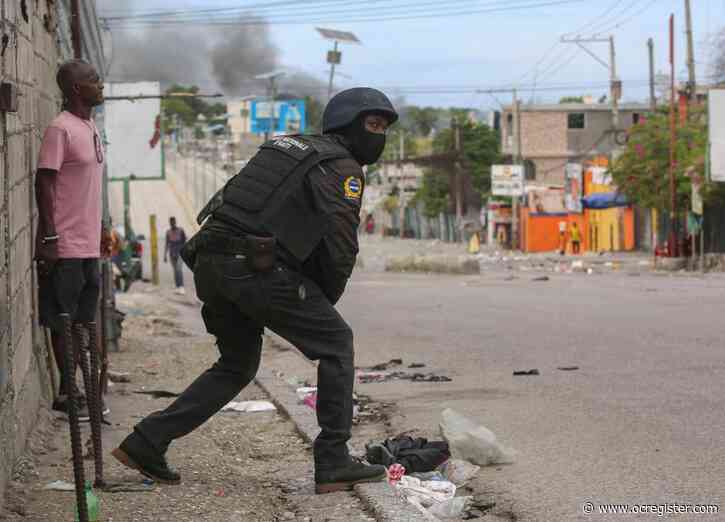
(642, 171)
(572, 99)
(188, 109)
(422, 120)
(434, 193)
(480, 150)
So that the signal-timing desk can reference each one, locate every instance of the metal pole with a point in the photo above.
(652, 98)
(517, 161)
(401, 155)
(702, 222)
(273, 122)
(614, 87)
(154, 237)
(332, 73)
(673, 140)
(457, 174)
(690, 51)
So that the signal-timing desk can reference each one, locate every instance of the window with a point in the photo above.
(576, 120)
(635, 118)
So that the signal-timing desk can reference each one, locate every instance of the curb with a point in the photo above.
(379, 497)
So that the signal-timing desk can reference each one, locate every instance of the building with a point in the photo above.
(557, 134)
(40, 36)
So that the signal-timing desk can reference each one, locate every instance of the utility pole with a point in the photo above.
(673, 138)
(457, 172)
(616, 85)
(652, 98)
(690, 52)
(401, 197)
(517, 161)
(332, 71)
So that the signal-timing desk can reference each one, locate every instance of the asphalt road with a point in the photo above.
(641, 420)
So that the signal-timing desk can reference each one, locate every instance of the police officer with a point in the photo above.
(277, 246)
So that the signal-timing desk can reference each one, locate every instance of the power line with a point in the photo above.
(627, 20)
(299, 19)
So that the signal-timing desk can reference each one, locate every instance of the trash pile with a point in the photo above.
(428, 474)
(365, 410)
(383, 372)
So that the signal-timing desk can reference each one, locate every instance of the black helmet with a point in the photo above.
(347, 105)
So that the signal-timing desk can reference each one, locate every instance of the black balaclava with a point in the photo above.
(366, 147)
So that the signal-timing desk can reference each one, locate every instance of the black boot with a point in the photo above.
(346, 476)
(136, 453)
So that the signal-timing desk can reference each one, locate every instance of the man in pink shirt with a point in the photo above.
(68, 193)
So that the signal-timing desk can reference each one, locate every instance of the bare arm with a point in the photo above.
(46, 241)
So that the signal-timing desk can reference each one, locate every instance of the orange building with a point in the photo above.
(611, 228)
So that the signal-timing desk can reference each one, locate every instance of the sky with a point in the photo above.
(441, 60)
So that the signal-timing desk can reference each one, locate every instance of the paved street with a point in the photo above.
(638, 422)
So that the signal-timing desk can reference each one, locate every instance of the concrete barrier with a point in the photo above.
(437, 264)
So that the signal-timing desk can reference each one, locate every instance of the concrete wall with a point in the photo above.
(35, 46)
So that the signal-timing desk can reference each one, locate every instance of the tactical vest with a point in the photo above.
(264, 197)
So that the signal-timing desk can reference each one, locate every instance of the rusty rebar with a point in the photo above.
(97, 410)
(69, 358)
(90, 380)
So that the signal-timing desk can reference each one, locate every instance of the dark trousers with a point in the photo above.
(178, 267)
(237, 306)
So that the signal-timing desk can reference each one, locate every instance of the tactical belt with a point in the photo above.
(220, 244)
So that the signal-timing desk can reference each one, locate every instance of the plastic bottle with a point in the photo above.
(93, 505)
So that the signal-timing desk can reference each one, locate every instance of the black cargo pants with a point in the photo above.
(238, 304)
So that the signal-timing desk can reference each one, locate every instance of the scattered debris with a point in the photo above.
(395, 473)
(372, 377)
(567, 368)
(472, 442)
(311, 400)
(60, 485)
(369, 411)
(129, 487)
(249, 406)
(533, 371)
(458, 471)
(382, 366)
(119, 376)
(542, 278)
(304, 392)
(436, 499)
(416, 365)
(158, 394)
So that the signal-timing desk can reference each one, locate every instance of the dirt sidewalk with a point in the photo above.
(237, 467)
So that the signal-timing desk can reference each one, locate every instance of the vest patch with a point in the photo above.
(287, 142)
(353, 188)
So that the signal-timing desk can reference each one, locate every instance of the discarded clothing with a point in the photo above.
(416, 455)
(527, 372)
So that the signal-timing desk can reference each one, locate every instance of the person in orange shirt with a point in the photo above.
(575, 237)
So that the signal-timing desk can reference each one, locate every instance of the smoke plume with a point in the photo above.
(217, 59)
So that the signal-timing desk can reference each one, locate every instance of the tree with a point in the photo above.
(480, 145)
(642, 171)
(572, 99)
(422, 120)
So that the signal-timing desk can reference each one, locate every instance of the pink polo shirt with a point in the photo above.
(73, 147)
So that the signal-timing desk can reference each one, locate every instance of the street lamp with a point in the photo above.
(334, 57)
(272, 77)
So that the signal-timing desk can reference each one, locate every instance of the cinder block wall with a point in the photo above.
(29, 57)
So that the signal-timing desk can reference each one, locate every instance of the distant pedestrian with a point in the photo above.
(69, 239)
(370, 224)
(175, 240)
(576, 238)
(562, 237)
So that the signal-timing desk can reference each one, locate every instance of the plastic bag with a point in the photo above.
(426, 493)
(452, 508)
(471, 442)
(458, 471)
